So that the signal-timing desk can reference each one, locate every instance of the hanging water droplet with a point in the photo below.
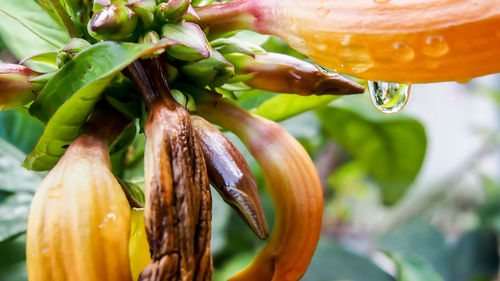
(389, 97)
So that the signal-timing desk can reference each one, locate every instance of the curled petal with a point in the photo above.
(294, 185)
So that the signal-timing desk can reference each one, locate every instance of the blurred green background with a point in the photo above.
(413, 196)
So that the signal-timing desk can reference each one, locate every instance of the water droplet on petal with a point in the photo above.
(435, 46)
(346, 40)
(322, 12)
(403, 52)
(388, 97)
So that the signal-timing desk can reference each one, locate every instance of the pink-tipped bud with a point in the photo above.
(15, 88)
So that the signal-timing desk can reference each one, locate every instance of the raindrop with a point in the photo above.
(389, 97)
(435, 46)
(403, 52)
(346, 40)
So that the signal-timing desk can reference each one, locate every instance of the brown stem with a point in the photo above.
(150, 77)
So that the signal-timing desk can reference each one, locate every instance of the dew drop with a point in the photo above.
(346, 40)
(388, 97)
(403, 52)
(325, 71)
(322, 12)
(435, 46)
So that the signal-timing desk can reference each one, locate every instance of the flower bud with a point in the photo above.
(230, 175)
(144, 9)
(294, 186)
(286, 74)
(214, 71)
(192, 45)
(173, 10)
(177, 210)
(15, 87)
(79, 222)
(406, 42)
(113, 22)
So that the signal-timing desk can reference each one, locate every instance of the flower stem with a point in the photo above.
(106, 124)
(65, 19)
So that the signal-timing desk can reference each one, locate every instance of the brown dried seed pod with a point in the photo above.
(178, 202)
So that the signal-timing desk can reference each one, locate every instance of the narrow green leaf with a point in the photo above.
(285, 106)
(390, 149)
(419, 238)
(15, 178)
(333, 262)
(20, 129)
(70, 95)
(475, 255)
(413, 268)
(27, 29)
(43, 63)
(14, 215)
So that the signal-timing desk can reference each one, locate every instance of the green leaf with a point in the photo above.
(421, 239)
(390, 149)
(15, 272)
(475, 256)
(14, 213)
(287, 105)
(27, 29)
(16, 249)
(13, 259)
(20, 129)
(413, 268)
(70, 95)
(333, 263)
(13, 176)
(43, 63)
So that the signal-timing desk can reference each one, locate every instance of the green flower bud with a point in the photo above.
(144, 9)
(113, 22)
(15, 87)
(230, 45)
(172, 11)
(213, 71)
(76, 45)
(192, 45)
